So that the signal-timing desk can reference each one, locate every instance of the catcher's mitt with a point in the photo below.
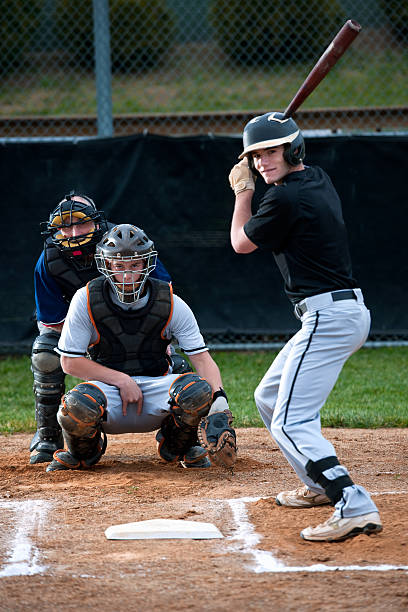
(216, 435)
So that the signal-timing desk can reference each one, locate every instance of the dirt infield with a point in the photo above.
(54, 554)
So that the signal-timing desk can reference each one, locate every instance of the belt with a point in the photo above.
(336, 296)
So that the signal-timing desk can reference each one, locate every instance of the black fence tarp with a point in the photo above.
(177, 190)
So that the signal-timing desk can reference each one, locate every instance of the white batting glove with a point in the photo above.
(241, 177)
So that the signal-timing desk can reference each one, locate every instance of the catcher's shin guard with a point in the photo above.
(80, 416)
(175, 438)
(190, 398)
(48, 388)
(193, 456)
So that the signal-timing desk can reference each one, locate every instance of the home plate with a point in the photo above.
(161, 529)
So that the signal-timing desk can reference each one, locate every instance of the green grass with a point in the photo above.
(372, 390)
(197, 80)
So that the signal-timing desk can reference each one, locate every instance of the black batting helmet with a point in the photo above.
(271, 130)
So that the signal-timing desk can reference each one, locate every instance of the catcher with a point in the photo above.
(115, 338)
(67, 263)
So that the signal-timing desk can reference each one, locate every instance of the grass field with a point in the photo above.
(196, 79)
(372, 390)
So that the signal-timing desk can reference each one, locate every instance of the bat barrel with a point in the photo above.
(351, 23)
(333, 53)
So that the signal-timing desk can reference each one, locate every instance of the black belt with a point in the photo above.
(343, 294)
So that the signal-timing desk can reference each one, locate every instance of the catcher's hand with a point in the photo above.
(216, 435)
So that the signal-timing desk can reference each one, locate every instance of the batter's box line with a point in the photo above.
(264, 561)
(22, 557)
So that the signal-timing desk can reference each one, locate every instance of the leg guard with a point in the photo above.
(48, 388)
(180, 365)
(190, 398)
(80, 416)
(333, 488)
(175, 438)
(178, 442)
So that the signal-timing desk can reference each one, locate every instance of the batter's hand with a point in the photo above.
(130, 393)
(241, 177)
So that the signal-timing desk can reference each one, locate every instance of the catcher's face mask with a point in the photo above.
(127, 275)
(126, 256)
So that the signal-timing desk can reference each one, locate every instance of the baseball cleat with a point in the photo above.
(42, 450)
(336, 529)
(63, 460)
(196, 457)
(301, 498)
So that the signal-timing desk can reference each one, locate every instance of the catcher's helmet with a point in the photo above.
(272, 130)
(126, 243)
(75, 209)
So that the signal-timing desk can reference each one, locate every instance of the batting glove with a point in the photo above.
(241, 177)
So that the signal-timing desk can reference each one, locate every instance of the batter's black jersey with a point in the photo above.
(301, 222)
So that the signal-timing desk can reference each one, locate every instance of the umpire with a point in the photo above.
(299, 221)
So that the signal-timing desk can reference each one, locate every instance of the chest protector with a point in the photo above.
(131, 341)
(68, 278)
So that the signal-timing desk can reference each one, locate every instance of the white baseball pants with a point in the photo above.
(294, 389)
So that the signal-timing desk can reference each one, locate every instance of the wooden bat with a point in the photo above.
(334, 51)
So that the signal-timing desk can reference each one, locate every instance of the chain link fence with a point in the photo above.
(73, 68)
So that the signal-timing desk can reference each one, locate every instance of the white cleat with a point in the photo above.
(336, 529)
(301, 498)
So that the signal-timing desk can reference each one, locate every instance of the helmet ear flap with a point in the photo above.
(294, 152)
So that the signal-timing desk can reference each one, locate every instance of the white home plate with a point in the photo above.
(163, 528)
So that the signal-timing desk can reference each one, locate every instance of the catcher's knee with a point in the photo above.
(190, 398)
(333, 488)
(82, 410)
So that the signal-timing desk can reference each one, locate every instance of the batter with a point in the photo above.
(299, 222)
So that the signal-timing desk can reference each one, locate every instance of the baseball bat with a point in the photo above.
(334, 51)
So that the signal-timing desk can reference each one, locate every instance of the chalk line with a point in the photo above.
(265, 561)
(22, 557)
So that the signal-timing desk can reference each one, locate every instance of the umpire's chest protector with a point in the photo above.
(131, 341)
(68, 278)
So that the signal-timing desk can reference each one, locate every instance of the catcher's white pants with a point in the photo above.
(294, 389)
(155, 392)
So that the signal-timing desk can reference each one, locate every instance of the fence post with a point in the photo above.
(103, 67)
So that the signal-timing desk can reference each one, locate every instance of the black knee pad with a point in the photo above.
(48, 375)
(333, 488)
(180, 365)
(190, 398)
(44, 360)
(82, 410)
